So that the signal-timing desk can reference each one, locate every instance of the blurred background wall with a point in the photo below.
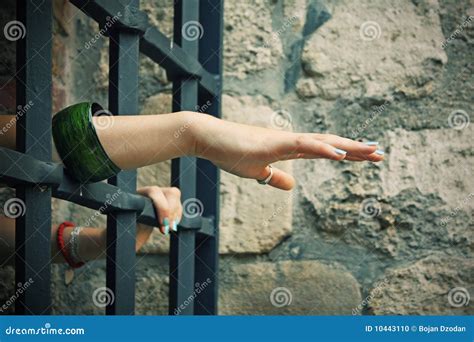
(353, 238)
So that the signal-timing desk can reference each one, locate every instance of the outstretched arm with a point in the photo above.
(246, 151)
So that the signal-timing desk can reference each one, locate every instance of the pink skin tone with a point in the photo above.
(92, 240)
(245, 151)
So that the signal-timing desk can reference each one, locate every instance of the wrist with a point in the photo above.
(143, 234)
(101, 240)
(66, 247)
(91, 243)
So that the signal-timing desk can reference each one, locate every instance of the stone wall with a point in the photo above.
(352, 238)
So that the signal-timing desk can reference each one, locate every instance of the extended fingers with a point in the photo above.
(374, 157)
(329, 146)
(308, 147)
(349, 145)
(356, 151)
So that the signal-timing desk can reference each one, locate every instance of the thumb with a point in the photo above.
(280, 179)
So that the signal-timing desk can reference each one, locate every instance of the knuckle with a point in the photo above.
(321, 147)
(175, 191)
(319, 136)
(155, 190)
(300, 140)
(164, 211)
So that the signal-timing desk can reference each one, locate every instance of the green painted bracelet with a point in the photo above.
(78, 145)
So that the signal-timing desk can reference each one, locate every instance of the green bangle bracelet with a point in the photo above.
(78, 145)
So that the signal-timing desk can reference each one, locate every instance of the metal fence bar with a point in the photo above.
(12, 172)
(185, 93)
(33, 229)
(190, 63)
(121, 225)
(154, 44)
(207, 247)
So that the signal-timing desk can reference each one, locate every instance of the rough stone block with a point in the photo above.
(431, 161)
(249, 43)
(435, 285)
(372, 49)
(287, 288)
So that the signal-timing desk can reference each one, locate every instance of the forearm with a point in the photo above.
(8, 131)
(8, 134)
(136, 141)
(132, 141)
(92, 242)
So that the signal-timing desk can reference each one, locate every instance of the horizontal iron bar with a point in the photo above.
(203, 225)
(18, 168)
(153, 43)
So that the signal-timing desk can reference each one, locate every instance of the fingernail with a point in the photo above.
(371, 143)
(175, 226)
(380, 152)
(166, 223)
(339, 151)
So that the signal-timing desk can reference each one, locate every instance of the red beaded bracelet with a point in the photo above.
(62, 245)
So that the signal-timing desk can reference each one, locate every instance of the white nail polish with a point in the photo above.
(339, 151)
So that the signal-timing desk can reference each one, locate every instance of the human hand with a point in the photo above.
(167, 203)
(246, 151)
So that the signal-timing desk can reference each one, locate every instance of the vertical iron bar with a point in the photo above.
(207, 247)
(121, 226)
(185, 93)
(33, 228)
